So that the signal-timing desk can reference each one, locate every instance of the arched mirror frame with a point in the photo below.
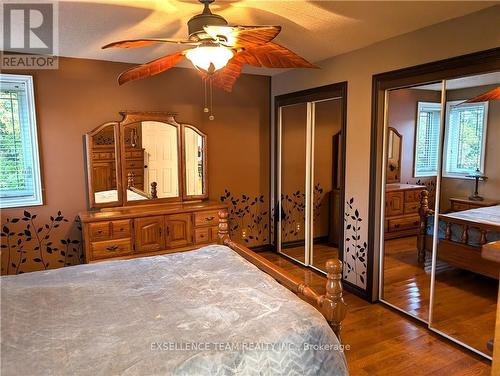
(204, 195)
(89, 143)
(130, 118)
(396, 133)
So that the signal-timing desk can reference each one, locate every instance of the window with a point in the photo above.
(427, 139)
(464, 138)
(20, 183)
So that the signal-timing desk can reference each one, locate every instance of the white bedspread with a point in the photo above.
(204, 312)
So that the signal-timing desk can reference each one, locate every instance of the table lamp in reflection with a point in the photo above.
(477, 175)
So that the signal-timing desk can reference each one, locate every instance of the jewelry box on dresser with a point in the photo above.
(148, 188)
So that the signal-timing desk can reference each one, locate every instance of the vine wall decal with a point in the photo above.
(355, 253)
(248, 218)
(293, 212)
(29, 246)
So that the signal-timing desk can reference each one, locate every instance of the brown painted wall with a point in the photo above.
(454, 187)
(82, 94)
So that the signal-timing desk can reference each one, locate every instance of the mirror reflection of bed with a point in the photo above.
(466, 285)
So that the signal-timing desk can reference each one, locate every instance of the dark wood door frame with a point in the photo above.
(465, 65)
(336, 90)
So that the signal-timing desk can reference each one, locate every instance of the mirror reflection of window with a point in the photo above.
(193, 144)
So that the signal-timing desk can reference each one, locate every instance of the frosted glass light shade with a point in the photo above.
(203, 56)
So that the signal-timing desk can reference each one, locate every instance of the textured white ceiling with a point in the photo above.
(314, 29)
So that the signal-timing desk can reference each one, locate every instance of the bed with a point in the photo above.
(112, 196)
(460, 236)
(217, 310)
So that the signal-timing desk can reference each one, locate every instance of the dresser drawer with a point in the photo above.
(99, 231)
(406, 223)
(411, 207)
(208, 218)
(214, 237)
(202, 235)
(412, 196)
(121, 229)
(458, 206)
(130, 164)
(111, 248)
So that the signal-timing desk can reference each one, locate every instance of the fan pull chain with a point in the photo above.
(211, 117)
(205, 108)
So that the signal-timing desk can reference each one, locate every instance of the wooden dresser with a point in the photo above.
(459, 204)
(128, 232)
(401, 209)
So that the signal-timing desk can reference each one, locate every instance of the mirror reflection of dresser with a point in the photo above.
(147, 188)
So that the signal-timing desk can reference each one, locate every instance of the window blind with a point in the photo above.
(465, 138)
(427, 139)
(19, 166)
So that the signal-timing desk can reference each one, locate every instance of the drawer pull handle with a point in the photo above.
(211, 218)
(112, 248)
(99, 232)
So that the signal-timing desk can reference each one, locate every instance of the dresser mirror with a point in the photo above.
(195, 165)
(146, 158)
(103, 166)
(393, 156)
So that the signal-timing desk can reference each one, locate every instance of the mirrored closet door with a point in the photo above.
(309, 180)
(441, 206)
(465, 286)
(412, 130)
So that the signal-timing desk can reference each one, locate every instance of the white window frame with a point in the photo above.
(450, 104)
(37, 198)
(420, 107)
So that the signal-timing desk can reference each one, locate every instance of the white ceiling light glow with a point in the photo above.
(204, 56)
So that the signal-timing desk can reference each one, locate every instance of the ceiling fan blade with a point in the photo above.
(243, 36)
(152, 68)
(272, 55)
(225, 77)
(132, 43)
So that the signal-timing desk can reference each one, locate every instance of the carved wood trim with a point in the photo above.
(331, 305)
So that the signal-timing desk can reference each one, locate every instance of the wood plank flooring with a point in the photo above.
(385, 342)
(321, 253)
(465, 302)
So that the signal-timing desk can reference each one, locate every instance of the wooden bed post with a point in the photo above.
(423, 212)
(331, 305)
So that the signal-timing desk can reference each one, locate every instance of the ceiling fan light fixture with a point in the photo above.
(204, 56)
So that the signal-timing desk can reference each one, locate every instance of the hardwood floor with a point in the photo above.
(321, 253)
(464, 302)
(385, 342)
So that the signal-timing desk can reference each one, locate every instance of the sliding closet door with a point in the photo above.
(326, 181)
(411, 153)
(465, 287)
(292, 184)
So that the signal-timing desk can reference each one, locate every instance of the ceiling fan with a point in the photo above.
(217, 51)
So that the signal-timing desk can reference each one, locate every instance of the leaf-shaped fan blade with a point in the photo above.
(225, 77)
(152, 68)
(272, 55)
(243, 36)
(132, 43)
